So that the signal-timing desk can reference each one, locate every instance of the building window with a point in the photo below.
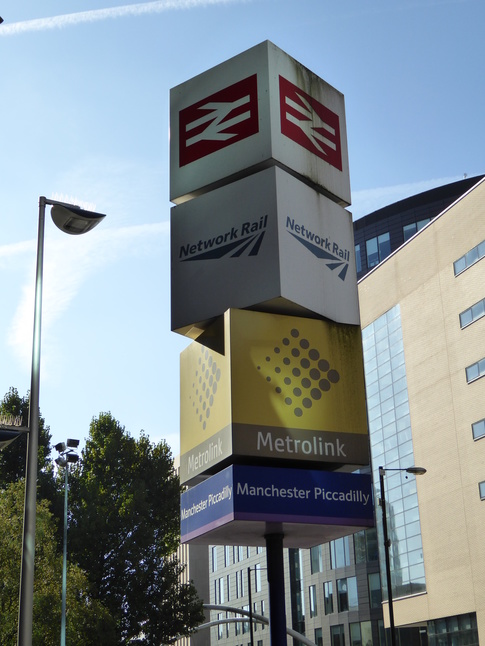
(263, 610)
(358, 259)
(391, 444)
(347, 594)
(220, 627)
(469, 259)
(228, 582)
(328, 597)
(475, 371)
(478, 429)
(337, 636)
(313, 600)
(257, 577)
(339, 552)
(316, 560)
(461, 629)
(481, 488)
(245, 626)
(375, 595)
(473, 313)
(361, 634)
(365, 546)
(214, 558)
(318, 637)
(227, 555)
(219, 590)
(410, 229)
(377, 249)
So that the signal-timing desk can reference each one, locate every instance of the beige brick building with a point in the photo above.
(428, 299)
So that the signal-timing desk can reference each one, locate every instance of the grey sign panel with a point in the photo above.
(267, 242)
(258, 109)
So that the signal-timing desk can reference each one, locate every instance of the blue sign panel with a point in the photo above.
(241, 495)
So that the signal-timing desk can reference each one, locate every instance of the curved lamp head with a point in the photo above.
(416, 471)
(75, 220)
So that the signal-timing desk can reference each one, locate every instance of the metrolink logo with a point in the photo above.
(237, 241)
(310, 123)
(335, 257)
(219, 120)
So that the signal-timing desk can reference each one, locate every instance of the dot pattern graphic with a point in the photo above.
(204, 386)
(308, 375)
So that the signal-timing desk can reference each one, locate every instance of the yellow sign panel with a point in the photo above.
(286, 388)
(296, 372)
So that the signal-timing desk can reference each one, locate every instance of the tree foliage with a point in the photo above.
(87, 619)
(12, 459)
(124, 530)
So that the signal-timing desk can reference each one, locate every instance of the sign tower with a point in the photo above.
(263, 278)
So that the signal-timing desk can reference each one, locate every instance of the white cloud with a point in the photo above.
(68, 263)
(67, 20)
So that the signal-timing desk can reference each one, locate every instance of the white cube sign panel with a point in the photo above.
(258, 109)
(268, 242)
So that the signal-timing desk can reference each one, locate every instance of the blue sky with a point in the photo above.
(84, 117)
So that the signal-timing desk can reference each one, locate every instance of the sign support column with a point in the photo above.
(276, 583)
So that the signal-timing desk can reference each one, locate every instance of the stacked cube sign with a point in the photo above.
(263, 280)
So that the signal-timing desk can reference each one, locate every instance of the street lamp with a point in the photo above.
(73, 220)
(417, 471)
(67, 456)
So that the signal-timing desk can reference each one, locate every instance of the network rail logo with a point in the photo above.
(335, 257)
(218, 121)
(237, 241)
(310, 124)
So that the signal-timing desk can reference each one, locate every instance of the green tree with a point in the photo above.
(88, 623)
(124, 532)
(13, 457)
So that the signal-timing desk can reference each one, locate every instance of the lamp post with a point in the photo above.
(66, 456)
(417, 471)
(73, 220)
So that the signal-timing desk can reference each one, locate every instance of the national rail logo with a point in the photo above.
(310, 123)
(219, 120)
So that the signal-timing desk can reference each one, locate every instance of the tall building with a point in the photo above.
(422, 301)
(380, 233)
(422, 312)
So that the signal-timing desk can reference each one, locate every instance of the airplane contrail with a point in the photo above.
(95, 15)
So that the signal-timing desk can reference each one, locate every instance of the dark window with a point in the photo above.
(453, 631)
(377, 249)
(410, 229)
(328, 597)
(337, 635)
(316, 562)
(347, 594)
(358, 259)
(339, 552)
